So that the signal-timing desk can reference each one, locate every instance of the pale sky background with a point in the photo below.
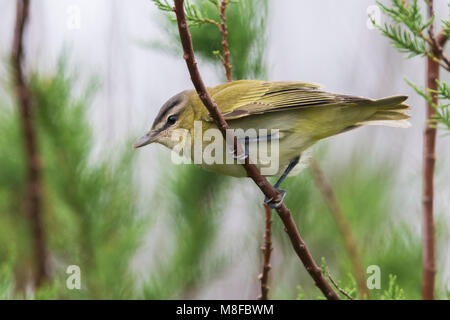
(324, 41)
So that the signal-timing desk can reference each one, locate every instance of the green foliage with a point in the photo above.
(89, 211)
(404, 41)
(368, 198)
(442, 112)
(163, 5)
(194, 15)
(300, 293)
(349, 286)
(247, 48)
(91, 217)
(350, 289)
(15, 253)
(446, 25)
(394, 292)
(195, 198)
(446, 28)
(6, 272)
(407, 34)
(370, 201)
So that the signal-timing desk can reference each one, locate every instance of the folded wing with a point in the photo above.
(243, 98)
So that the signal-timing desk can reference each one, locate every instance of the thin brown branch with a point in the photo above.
(251, 170)
(437, 43)
(437, 49)
(34, 185)
(345, 293)
(441, 39)
(446, 63)
(343, 226)
(224, 31)
(267, 250)
(429, 158)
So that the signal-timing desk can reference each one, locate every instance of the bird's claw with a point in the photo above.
(276, 203)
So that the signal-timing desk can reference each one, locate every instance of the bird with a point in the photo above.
(300, 113)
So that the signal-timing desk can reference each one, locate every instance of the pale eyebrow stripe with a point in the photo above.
(174, 108)
(166, 111)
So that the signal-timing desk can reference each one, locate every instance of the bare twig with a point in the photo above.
(34, 185)
(437, 44)
(267, 250)
(224, 31)
(345, 293)
(446, 63)
(251, 170)
(344, 228)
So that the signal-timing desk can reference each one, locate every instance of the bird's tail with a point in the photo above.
(390, 112)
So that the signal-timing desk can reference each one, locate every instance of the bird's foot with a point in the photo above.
(278, 201)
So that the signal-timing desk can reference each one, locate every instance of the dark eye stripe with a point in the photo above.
(165, 111)
(173, 104)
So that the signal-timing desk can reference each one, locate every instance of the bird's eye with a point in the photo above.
(171, 120)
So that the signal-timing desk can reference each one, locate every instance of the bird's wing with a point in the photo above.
(243, 98)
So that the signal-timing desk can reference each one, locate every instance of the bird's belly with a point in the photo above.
(271, 157)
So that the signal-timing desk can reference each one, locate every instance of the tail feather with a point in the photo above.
(389, 115)
(391, 112)
(390, 102)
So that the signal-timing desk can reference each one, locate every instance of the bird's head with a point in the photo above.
(174, 115)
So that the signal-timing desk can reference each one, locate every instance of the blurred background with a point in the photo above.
(141, 227)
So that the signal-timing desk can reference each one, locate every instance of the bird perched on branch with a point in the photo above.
(300, 113)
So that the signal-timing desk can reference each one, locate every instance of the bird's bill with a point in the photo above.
(145, 140)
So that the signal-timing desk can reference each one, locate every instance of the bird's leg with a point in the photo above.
(244, 156)
(246, 146)
(289, 168)
(247, 141)
(286, 172)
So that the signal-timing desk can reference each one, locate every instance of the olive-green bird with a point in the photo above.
(302, 112)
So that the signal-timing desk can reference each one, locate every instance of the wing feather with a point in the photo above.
(243, 98)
